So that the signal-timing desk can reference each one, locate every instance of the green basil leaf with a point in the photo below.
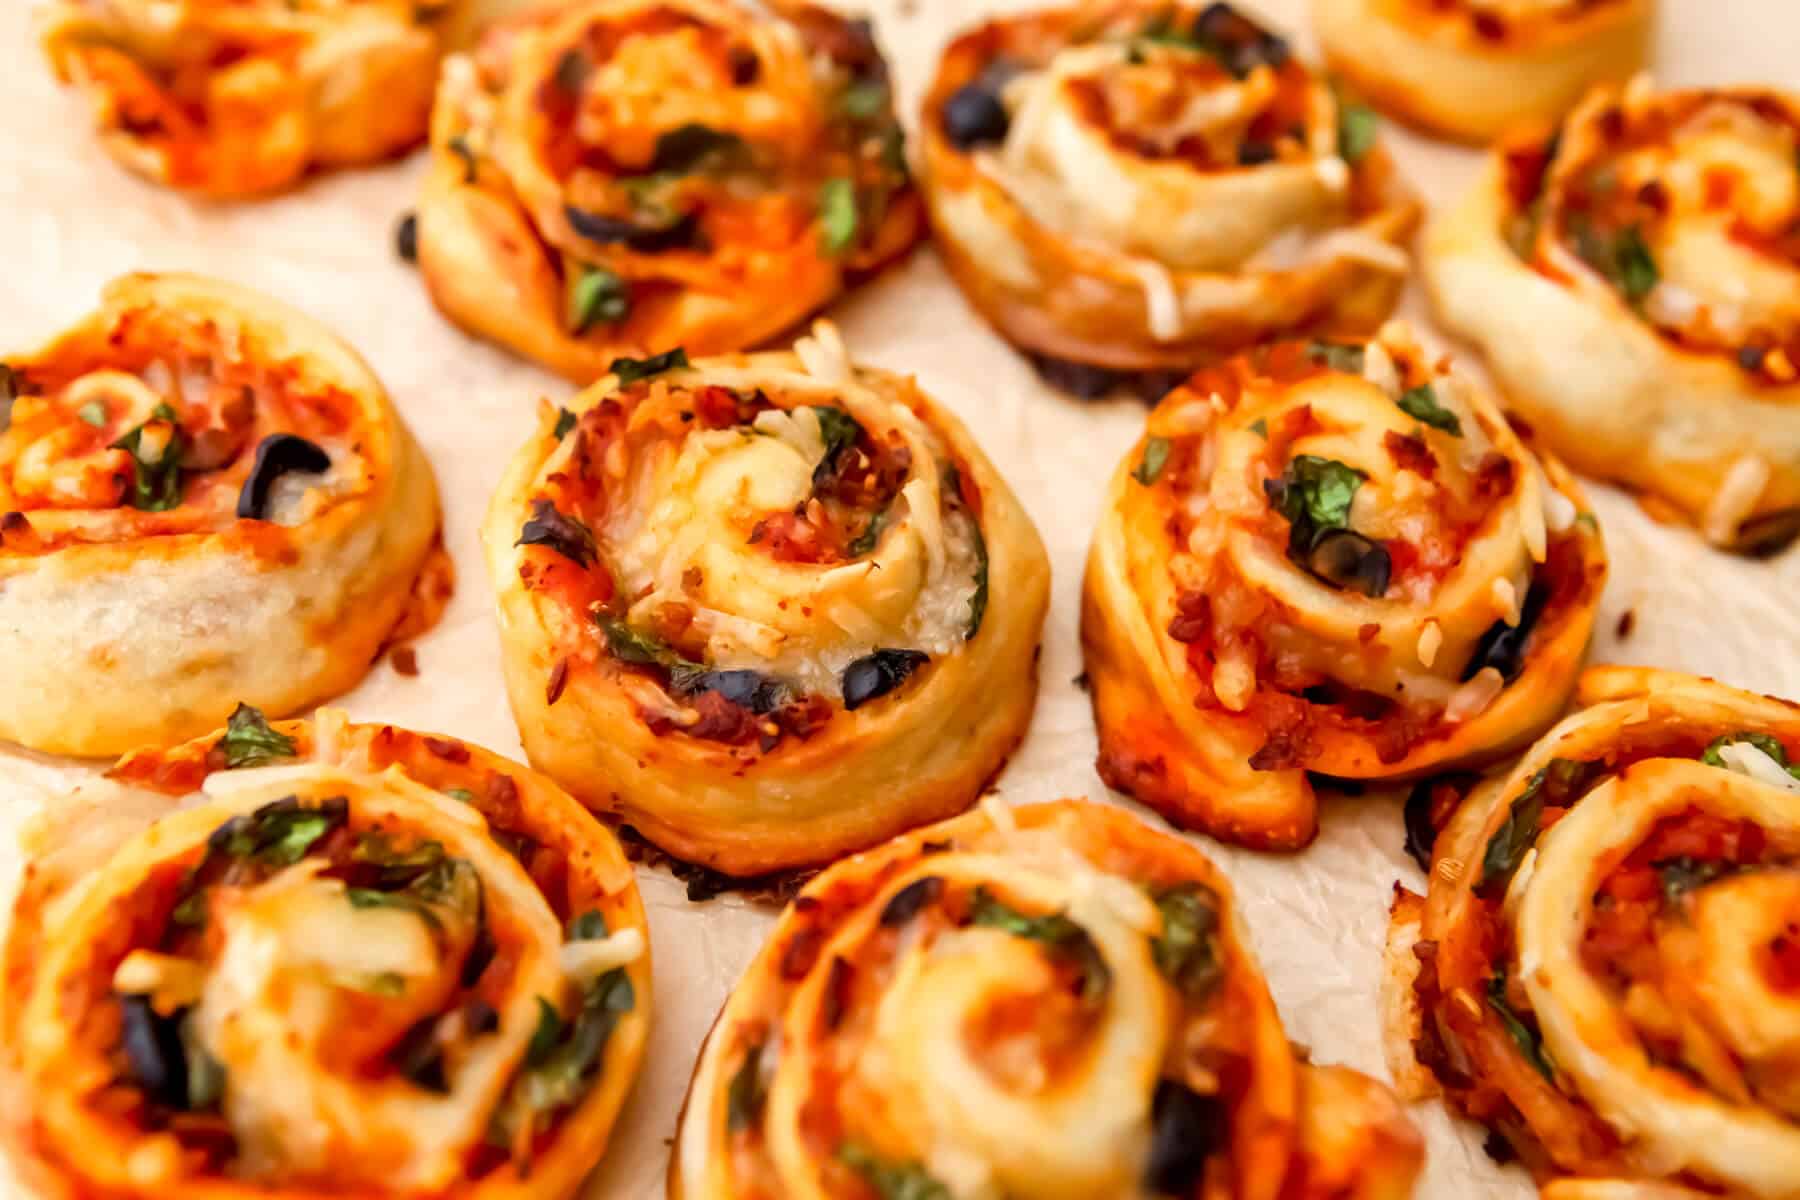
(839, 430)
(891, 1180)
(1421, 403)
(1156, 457)
(1187, 950)
(864, 99)
(1636, 268)
(156, 474)
(744, 1099)
(248, 740)
(1260, 428)
(597, 296)
(1317, 492)
(1528, 1042)
(1506, 849)
(590, 926)
(404, 901)
(1769, 745)
(630, 370)
(279, 833)
(870, 535)
(1679, 876)
(1054, 930)
(979, 601)
(838, 218)
(1356, 131)
(545, 1037)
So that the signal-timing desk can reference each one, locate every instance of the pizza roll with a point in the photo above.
(1332, 558)
(235, 98)
(769, 609)
(617, 177)
(1602, 969)
(1472, 69)
(1054, 1001)
(1635, 282)
(1136, 186)
(205, 497)
(319, 959)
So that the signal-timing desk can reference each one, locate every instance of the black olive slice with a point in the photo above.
(1346, 559)
(277, 455)
(155, 1052)
(974, 116)
(1187, 1129)
(406, 238)
(1503, 646)
(551, 527)
(905, 904)
(682, 233)
(745, 688)
(878, 674)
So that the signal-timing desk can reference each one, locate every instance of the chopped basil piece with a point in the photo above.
(1624, 258)
(156, 481)
(864, 99)
(205, 1074)
(1156, 457)
(1421, 403)
(839, 430)
(1679, 876)
(549, 1031)
(1561, 782)
(391, 869)
(280, 833)
(590, 926)
(249, 741)
(404, 901)
(1337, 355)
(978, 602)
(1260, 428)
(597, 295)
(875, 675)
(838, 218)
(94, 413)
(744, 1099)
(891, 1180)
(565, 421)
(462, 794)
(628, 645)
(1356, 130)
(561, 1066)
(1187, 949)
(558, 531)
(1762, 741)
(1054, 930)
(190, 911)
(871, 534)
(630, 370)
(1314, 494)
(1528, 1043)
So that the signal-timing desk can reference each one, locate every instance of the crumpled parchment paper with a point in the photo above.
(70, 219)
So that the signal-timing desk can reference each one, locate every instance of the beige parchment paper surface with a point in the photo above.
(70, 219)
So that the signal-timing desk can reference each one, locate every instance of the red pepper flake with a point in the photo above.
(1193, 615)
(1366, 633)
(1489, 26)
(837, 993)
(1654, 196)
(405, 661)
(559, 679)
(448, 750)
(1410, 454)
(1494, 477)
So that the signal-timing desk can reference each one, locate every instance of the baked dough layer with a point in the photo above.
(1051, 1001)
(1599, 969)
(234, 100)
(1476, 69)
(1141, 185)
(1331, 558)
(618, 177)
(315, 958)
(1635, 284)
(136, 606)
(769, 609)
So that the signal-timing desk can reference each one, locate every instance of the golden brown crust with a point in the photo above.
(1099, 977)
(681, 156)
(1631, 281)
(136, 605)
(760, 650)
(349, 1113)
(1239, 638)
(1225, 214)
(1469, 69)
(303, 86)
(1595, 965)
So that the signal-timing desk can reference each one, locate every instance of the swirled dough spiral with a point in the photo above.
(1635, 282)
(1604, 968)
(236, 98)
(205, 497)
(1330, 557)
(769, 608)
(1139, 186)
(1475, 69)
(622, 176)
(320, 959)
(1053, 1001)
